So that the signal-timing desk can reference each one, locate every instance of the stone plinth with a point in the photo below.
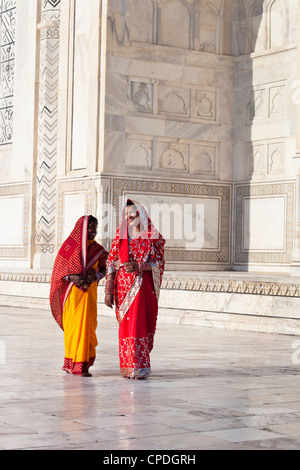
(260, 302)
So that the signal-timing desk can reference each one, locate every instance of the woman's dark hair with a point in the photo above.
(129, 203)
(92, 219)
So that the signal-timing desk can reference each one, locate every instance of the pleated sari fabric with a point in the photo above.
(73, 307)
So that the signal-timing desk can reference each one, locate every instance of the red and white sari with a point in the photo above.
(136, 294)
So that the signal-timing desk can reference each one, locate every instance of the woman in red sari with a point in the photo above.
(79, 265)
(134, 275)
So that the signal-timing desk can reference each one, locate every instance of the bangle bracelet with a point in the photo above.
(109, 286)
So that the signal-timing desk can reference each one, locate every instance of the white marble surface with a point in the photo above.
(210, 389)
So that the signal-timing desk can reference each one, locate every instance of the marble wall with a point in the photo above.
(110, 101)
(265, 138)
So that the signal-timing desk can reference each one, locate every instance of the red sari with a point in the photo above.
(136, 294)
(73, 307)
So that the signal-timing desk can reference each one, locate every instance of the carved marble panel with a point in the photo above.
(274, 203)
(173, 156)
(141, 96)
(205, 105)
(174, 101)
(267, 101)
(258, 104)
(15, 213)
(139, 153)
(277, 100)
(264, 223)
(204, 159)
(217, 197)
(265, 158)
(276, 157)
(186, 222)
(256, 160)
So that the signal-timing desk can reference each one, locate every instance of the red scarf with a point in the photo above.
(147, 247)
(72, 258)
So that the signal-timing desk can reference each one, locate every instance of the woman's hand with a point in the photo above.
(91, 278)
(82, 281)
(109, 300)
(75, 278)
(131, 266)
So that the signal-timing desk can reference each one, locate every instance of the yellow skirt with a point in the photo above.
(80, 323)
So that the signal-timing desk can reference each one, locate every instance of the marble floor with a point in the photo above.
(210, 389)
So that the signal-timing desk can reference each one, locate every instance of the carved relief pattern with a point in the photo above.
(139, 153)
(187, 103)
(204, 161)
(256, 160)
(172, 159)
(257, 104)
(141, 96)
(172, 156)
(276, 157)
(265, 158)
(173, 101)
(276, 101)
(7, 65)
(205, 103)
(268, 102)
(192, 157)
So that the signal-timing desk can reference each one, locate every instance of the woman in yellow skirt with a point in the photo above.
(78, 267)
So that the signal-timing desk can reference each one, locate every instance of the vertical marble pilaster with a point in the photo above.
(295, 264)
(47, 134)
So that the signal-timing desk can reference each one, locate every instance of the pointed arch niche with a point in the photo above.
(174, 25)
(276, 21)
(207, 28)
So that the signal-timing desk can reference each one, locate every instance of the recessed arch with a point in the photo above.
(174, 24)
(276, 21)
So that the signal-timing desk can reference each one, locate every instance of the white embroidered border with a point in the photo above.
(156, 279)
(124, 307)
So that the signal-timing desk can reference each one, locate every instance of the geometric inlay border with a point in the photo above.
(286, 189)
(222, 191)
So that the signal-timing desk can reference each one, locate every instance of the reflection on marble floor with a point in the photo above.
(209, 389)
